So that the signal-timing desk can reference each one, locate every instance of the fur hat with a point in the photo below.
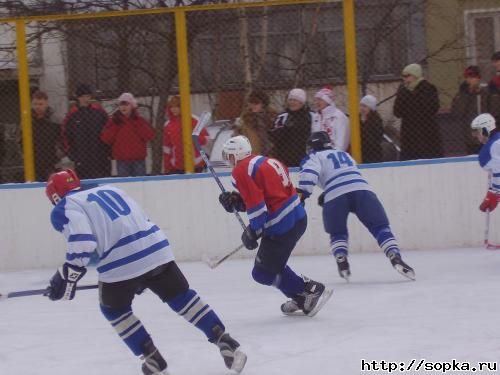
(298, 94)
(414, 70)
(129, 98)
(370, 101)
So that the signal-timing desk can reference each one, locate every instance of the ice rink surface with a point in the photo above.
(451, 311)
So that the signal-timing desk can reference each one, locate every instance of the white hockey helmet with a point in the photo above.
(484, 122)
(238, 146)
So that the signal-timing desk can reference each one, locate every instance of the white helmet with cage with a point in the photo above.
(239, 147)
(484, 122)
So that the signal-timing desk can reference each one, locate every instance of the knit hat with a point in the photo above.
(83, 89)
(472, 71)
(297, 94)
(495, 56)
(370, 101)
(129, 98)
(414, 70)
(325, 94)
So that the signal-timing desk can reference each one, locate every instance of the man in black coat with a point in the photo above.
(82, 136)
(46, 136)
(417, 104)
(291, 130)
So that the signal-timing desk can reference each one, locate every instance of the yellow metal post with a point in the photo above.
(24, 100)
(184, 89)
(352, 77)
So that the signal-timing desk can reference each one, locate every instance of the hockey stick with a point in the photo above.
(214, 262)
(36, 292)
(204, 119)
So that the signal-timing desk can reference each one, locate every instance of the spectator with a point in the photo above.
(330, 119)
(256, 121)
(417, 104)
(469, 102)
(372, 130)
(173, 155)
(128, 134)
(493, 101)
(46, 136)
(291, 129)
(82, 136)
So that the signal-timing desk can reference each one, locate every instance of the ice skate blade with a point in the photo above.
(239, 361)
(322, 301)
(405, 272)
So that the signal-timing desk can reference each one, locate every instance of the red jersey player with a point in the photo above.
(277, 215)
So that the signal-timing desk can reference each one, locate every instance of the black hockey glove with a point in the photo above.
(302, 195)
(63, 283)
(232, 201)
(250, 237)
(321, 199)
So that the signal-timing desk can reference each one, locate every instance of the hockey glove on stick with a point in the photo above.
(490, 202)
(232, 201)
(63, 283)
(250, 237)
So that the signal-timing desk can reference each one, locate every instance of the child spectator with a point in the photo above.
(128, 134)
(372, 130)
(173, 155)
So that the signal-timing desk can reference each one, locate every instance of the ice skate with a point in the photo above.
(154, 364)
(401, 266)
(233, 357)
(310, 301)
(343, 266)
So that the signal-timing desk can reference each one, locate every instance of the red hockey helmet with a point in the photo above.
(60, 183)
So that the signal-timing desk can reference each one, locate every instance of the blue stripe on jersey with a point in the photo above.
(342, 175)
(344, 183)
(73, 256)
(131, 238)
(496, 174)
(311, 171)
(305, 183)
(256, 208)
(485, 152)
(285, 223)
(81, 237)
(58, 216)
(495, 186)
(256, 166)
(132, 258)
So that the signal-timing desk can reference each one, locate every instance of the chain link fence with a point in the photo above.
(105, 87)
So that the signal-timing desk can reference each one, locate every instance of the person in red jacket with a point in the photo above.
(128, 134)
(173, 153)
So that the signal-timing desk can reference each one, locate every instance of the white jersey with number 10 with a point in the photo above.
(106, 219)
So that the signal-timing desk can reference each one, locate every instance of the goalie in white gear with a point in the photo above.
(485, 130)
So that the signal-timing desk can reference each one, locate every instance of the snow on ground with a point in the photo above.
(451, 311)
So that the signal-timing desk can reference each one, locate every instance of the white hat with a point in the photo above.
(129, 98)
(370, 101)
(297, 94)
(326, 95)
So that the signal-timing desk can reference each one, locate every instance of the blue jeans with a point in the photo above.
(131, 168)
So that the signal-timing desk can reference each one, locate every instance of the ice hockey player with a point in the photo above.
(134, 255)
(486, 132)
(346, 191)
(266, 193)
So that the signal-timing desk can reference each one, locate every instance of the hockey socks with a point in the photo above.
(386, 241)
(128, 327)
(192, 308)
(288, 282)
